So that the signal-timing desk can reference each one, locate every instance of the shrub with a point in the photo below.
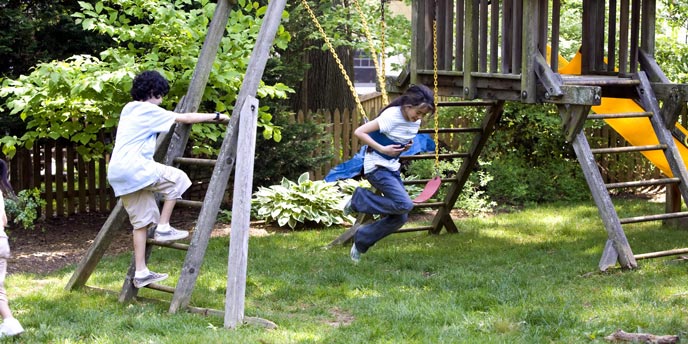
(294, 154)
(24, 210)
(303, 202)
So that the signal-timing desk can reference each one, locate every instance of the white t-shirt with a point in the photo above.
(132, 166)
(396, 128)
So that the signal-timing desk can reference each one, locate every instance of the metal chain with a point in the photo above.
(436, 89)
(369, 37)
(336, 58)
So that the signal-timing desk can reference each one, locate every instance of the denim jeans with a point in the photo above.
(394, 205)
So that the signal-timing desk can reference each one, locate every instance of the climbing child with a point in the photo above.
(136, 177)
(10, 326)
(387, 136)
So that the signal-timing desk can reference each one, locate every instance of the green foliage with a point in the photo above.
(303, 147)
(344, 26)
(530, 160)
(80, 97)
(42, 30)
(303, 202)
(25, 208)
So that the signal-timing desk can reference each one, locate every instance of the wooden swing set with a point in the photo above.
(488, 68)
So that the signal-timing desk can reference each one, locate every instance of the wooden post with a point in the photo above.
(238, 250)
(241, 216)
(617, 246)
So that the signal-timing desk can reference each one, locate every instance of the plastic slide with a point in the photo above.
(637, 131)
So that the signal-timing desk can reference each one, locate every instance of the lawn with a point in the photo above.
(522, 277)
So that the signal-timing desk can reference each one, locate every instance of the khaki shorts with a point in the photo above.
(142, 206)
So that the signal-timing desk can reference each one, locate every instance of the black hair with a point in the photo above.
(5, 186)
(416, 95)
(149, 84)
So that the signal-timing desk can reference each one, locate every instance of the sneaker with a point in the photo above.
(347, 208)
(171, 235)
(151, 278)
(354, 254)
(10, 327)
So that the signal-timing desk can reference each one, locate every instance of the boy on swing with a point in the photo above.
(387, 136)
(136, 177)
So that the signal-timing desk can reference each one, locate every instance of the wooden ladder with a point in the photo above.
(239, 140)
(617, 248)
(454, 184)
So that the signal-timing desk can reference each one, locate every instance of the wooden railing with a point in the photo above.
(497, 44)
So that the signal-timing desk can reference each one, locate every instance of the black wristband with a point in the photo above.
(217, 115)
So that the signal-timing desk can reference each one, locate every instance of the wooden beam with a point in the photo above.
(238, 250)
(573, 119)
(617, 247)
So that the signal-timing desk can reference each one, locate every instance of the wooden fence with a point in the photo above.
(80, 186)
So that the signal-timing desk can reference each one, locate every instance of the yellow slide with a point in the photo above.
(637, 131)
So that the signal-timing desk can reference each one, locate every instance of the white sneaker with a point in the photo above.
(151, 278)
(10, 327)
(171, 235)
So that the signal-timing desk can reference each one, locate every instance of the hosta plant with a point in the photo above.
(298, 203)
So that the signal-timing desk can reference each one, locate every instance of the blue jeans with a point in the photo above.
(394, 205)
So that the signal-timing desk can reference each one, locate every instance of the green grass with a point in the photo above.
(523, 277)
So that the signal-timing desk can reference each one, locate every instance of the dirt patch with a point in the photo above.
(56, 243)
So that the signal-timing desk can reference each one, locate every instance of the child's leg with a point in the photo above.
(4, 255)
(171, 185)
(5, 311)
(143, 212)
(166, 212)
(139, 237)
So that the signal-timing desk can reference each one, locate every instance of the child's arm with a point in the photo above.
(195, 117)
(362, 133)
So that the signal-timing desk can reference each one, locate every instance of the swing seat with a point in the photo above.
(429, 190)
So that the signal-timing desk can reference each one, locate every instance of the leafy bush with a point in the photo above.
(294, 154)
(24, 210)
(305, 201)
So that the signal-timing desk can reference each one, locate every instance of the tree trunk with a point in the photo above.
(324, 85)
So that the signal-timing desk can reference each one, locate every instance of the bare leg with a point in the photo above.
(139, 236)
(5, 311)
(166, 212)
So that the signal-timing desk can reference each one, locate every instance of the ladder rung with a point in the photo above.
(639, 183)
(175, 245)
(415, 229)
(425, 181)
(466, 103)
(654, 217)
(187, 203)
(160, 287)
(451, 130)
(429, 205)
(621, 115)
(195, 161)
(628, 149)
(661, 253)
(432, 156)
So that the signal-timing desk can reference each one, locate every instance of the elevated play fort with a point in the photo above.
(508, 51)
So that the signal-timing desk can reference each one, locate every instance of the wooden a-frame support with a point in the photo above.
(239, 141)
(617, 248)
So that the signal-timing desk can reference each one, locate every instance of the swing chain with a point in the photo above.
(369, 37)
(336, 58)
(436, 89)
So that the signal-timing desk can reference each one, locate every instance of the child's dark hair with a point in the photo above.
(149, 84)
(5, 186)
(416, 95)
